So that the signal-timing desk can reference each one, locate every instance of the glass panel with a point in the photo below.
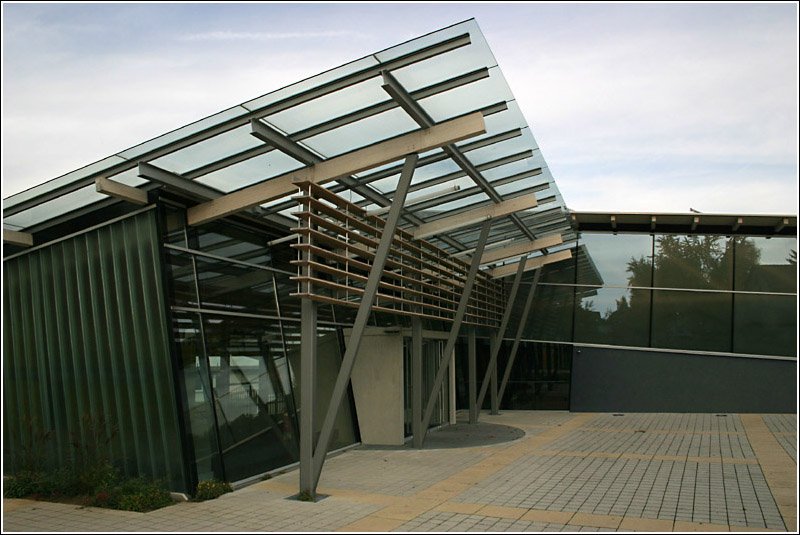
(181, 277)
(540, 377)
(501, 149)
(472, 202)
(701, 262)
(230, 241)
(765, 324)
(55, 208)
(250, 171)
(311, 83)
(550, 318)
(56, 183)
(616, 316)
(558, 272)
(233, 287)
(210, 150)
(692, 320)
(198, 415)
(616, 260)
(766, 265)
(443, 66)
(467, 98)
(255, 409)
(330, 106)
(362, 133)
(183, 132)
(174, 226)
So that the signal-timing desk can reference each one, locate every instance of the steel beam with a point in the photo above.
(531, 263)
(457, 319)
(340, 166)
(491, 370)
(473, 386)
(476, 215)
(15, 237)
(360, 323)
(396, 90)
(520, 328)
(177, 182)
(118, 190)
(416, 381)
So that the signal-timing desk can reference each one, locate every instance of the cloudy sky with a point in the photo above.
(636, 107)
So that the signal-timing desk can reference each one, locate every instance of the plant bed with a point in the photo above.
(104, 488)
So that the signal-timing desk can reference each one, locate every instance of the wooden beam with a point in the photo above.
(340, 166)
(120, 191)
(14, 237)
(518, 249)
(532, 263)
(477, 215)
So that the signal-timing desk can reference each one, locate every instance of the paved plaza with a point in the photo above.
(517, 471)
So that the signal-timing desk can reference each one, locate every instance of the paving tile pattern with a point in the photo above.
(678, 422)
(571, 472)
(460, 522)
(734, 494)
(394, 472)
(784, 427)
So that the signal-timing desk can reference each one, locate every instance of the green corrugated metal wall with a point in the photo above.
(85, 333)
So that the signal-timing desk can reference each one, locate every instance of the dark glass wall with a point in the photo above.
(700, 292)
(237, 334)
(86, 351)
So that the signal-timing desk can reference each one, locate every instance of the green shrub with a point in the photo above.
(210, 489)
(138, 494)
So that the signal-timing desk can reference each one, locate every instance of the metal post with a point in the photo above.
(503, 326)
(308, 387)
(364, 308)
(473, 386)
(416, 380)
(520, 328)
(494, 344)
(451, 339)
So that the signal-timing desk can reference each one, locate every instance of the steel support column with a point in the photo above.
(522, 321)
(495, 348)
(308, 388)
(457, 319)
(360, 323)
(494, 344)
(473, 386)
(416, 381)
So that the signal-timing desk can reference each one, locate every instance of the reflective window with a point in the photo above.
(540, 378)
(615, 260)
(765, 324)
(198, 401)
(692, 320)
(616, 316)
(551, 315)
(253, 395)
(766, 265)
(701, 262)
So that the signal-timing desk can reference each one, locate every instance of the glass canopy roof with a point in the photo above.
(446, 74)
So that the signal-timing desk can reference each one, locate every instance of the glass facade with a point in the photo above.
(236, 332)
(710, 293)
